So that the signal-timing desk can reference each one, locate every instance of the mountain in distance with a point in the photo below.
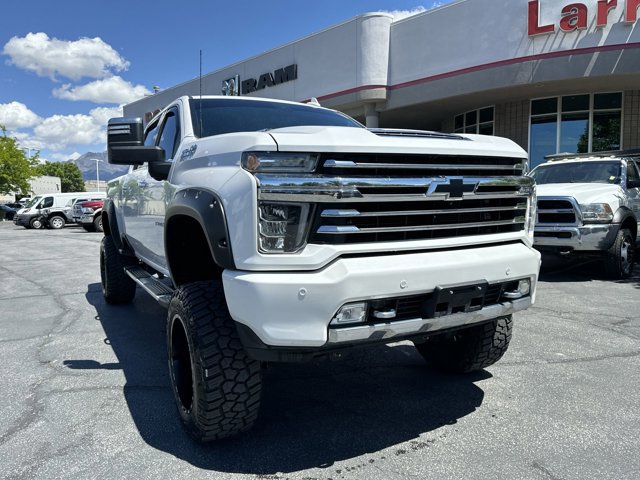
(87, 165)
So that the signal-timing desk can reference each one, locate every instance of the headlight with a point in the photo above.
(86, 210)
(596, 213)
(282, 227)
(279, 162)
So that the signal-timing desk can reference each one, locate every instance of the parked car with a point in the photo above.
(52, 209)
(590, 205)
(89, 215)
(7, 211)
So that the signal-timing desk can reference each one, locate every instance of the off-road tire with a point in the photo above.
(117, 287)
(36, 223)
(216, 385)
(97, 224)
(56, 222)
(469, 349)
(619, 259)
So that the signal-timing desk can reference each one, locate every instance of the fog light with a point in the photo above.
(524, 287)
(350, 313)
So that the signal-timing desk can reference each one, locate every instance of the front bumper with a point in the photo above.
(294, 310)
(85, 219)
(579, 238)
(24, 219)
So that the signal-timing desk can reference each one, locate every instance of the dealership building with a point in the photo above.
(552, 75)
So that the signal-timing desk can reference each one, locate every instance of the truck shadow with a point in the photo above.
(312, 415)
(576, 269)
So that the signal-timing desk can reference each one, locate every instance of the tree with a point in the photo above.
(15, 168)
(70, 176)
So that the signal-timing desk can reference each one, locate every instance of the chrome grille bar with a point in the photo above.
(339, 230)
(332, 213)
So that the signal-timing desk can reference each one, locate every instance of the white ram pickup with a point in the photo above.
(590, 205)
(279, 231)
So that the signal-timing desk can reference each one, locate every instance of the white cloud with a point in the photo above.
(109, 90)
(17, 115)
(50, 57)
(400, 14)
(62, 157)
(58, 132)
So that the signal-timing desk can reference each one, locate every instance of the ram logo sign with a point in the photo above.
(265, 80)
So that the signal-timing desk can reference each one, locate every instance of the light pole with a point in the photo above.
(97, 173)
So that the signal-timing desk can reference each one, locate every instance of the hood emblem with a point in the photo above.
(451, 188)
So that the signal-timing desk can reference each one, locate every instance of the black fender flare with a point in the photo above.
(205, 207)
(111, 228)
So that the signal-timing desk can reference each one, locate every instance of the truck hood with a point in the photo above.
(584, 192)
(351, 139)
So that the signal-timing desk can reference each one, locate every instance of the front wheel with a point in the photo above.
(620, 257)
(217, 387)
(36, 223)
(469, 349)
(97, 224)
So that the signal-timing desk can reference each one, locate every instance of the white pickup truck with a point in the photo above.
(279, 231)
(590, 205)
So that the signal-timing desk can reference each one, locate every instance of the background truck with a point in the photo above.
(277, 231)
(590, 205)
(89, 215)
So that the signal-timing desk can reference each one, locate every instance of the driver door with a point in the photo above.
(147, 208)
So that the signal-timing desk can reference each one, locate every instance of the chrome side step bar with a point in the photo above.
(156, 288)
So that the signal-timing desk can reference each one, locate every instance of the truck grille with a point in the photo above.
(362, 198)
(554, 211)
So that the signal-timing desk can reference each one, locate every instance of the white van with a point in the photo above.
(52, 205)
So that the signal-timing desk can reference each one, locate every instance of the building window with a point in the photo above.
(575, 124)
(475, 121)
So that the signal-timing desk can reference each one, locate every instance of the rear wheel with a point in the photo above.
(216, 385)
(621, 256)
(469, 349)
(117, 286)
(57, 222)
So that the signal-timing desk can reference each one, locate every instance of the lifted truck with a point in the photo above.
(589, 204)
(278, 231)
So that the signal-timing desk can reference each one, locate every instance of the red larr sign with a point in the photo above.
(574, 16)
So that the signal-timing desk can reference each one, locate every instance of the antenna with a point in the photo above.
(201, 93)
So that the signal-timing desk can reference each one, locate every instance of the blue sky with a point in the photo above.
(68, 66)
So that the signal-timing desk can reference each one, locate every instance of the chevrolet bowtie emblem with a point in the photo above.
(453, 188)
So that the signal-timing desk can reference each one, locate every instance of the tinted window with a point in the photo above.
(231, 115)
(170, 134)
(47, 202)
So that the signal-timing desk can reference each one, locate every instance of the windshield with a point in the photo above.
(578, 172)
(231, 115)
(32, 202)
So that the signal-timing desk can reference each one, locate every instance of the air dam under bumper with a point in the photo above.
(294, 309)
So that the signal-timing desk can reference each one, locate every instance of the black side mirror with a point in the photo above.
(125, 143)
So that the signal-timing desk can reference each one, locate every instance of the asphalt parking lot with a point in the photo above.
(85, 390)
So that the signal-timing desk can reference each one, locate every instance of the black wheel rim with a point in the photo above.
(180, 362)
